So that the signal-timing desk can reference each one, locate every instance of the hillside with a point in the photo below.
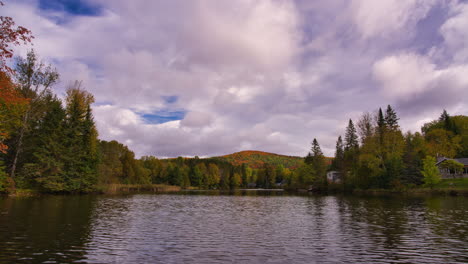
(256, 159)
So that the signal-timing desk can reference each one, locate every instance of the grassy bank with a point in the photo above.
(135, 188)
(105, 189)
(23, 193)
(456, 187)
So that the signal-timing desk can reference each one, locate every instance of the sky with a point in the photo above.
(184, 78)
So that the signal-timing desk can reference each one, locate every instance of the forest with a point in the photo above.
(51, 145)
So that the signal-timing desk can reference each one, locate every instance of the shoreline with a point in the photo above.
(122, 189)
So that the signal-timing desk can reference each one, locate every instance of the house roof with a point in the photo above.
(463, 161)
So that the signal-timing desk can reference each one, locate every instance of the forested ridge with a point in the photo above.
(257, 159)
(52, 145)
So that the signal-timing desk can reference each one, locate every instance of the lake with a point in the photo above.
(247, 227)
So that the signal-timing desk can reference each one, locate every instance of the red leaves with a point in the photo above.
(11, 36)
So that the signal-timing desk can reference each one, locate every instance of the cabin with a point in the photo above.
(334, 176)
(448, 173)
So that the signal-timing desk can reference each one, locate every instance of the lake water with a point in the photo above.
(251, 227)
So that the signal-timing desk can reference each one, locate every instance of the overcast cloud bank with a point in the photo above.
(264, 75)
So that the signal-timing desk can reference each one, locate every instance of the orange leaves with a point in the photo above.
(8, 94)
(3, 147)
(10, 103)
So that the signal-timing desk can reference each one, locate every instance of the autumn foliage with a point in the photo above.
(257, 159)
(11, 35)
(11, 105)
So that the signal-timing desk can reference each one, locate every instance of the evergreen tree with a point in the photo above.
(351, 153)
(81, 137)
(35, 80)
(391, 119)
(316, 160)
(381, 125)
(415, 151)
(351, 138)
(308, 159)
(316, 150)
(196, 176)
(447, 123)
(46, 167)
(338, 161)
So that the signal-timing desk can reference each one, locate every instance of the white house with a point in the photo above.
(334, 176)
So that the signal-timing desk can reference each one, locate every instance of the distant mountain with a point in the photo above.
(256, 159)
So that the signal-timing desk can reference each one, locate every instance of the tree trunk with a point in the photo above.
(19, 144)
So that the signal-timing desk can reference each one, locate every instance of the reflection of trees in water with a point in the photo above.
(49, 228)
(406, 228)
(447, 217)
(379, 223)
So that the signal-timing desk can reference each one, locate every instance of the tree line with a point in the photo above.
(52, 145)
(376, 154)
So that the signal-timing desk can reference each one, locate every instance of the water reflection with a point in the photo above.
(239, 227)
(50, 229)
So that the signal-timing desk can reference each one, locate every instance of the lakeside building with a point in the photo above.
(334, 176)
(450, 173)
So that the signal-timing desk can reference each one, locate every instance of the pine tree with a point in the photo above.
(81, 138)
(351, 152)
(351, 138)
(380, 119)
(46, 168)
(391, 119)
(316, 150)
(339, 155)
(447, 122)
(381, 125)
(319, 165)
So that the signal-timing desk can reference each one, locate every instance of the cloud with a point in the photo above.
(455, 33)
(385, 17)
(197, 119)
(418, 86)
(405, 75)
(206, 78)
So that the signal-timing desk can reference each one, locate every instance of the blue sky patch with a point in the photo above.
(163, 116)
(72, 7)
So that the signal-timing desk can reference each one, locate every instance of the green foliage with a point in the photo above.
(351, 138)
(430, 172)
(453, 166)
(317, 160)
(303, 176)
(415, 151)
(338, 161)
(3, 178)
(49, 150)
(443, 142)
(60, 151)
(391, 119)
